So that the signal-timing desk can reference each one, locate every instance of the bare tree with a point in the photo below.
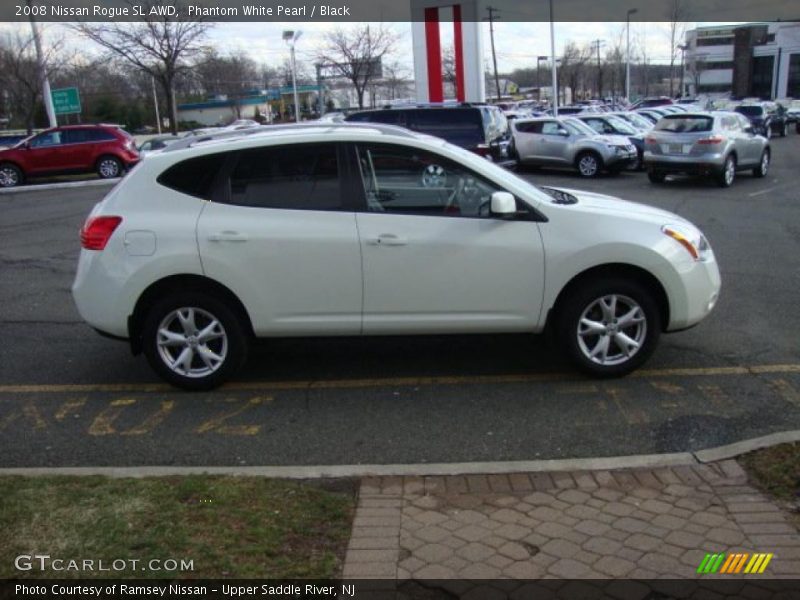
(231, 75)
(572, 67)
(20, 78)
(161, 46)
(677, 16)
(696, 67)
(396, 79)
(354, 54)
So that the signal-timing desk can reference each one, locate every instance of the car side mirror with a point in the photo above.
(503, 204)
(749, 129)
(563, 132)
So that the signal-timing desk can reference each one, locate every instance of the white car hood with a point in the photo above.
(624, 208)
(616, 140)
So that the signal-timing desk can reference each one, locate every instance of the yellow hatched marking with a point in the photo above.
(217, 423)
(715, 395)
(632, 415)
(578, 388)
(103, 423)
(753, 562)
(729, 562)
(759, 559)
(763, 566)
(786, 391)
(153, 420)
(69, 407)
(30, 412)
(668, 388)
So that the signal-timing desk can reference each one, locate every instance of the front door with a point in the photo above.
(45, 152)
(435, 260)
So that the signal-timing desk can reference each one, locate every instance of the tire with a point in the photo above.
(763, 165)
(598, 349)
(768, 132)
(797, 127)
(182, 318)
(589, 164)
(727, 175)
(785, 130)
(108, 167)
(10, 175)
(656, 176)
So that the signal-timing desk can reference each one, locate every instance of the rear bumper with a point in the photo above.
(692, 165)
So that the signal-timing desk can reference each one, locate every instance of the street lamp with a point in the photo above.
(683, 48)
(553, 56)
(291, 37)
(631, 11)
(539, 59)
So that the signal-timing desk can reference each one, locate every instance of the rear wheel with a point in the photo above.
(656, 176)
(727, 175)
(589, 164)
(109, 167)
(785, 130)
(609, 327)
(763, 165)
(10, 175)
(194, 341)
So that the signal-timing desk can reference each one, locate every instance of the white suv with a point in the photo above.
(340, 230)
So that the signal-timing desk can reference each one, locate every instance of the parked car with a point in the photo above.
(765, 118)
(792, 108)
(717, 144)
(638, 121)
(482, 129)
(156, 143)
(104, 149)
(651, 102)
(569, 142)
(608, 124)
(320, 230)
(652, 114)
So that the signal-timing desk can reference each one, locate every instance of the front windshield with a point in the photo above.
(638, 120)
(577, 127)
(750, 111)
(621, 126)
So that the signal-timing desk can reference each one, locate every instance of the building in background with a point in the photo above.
(751, 60)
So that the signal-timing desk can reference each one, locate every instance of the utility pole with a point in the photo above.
(155, 104)
(598, 44)
(630, 12)
(42, 72)
(553, 73)
(491, 10)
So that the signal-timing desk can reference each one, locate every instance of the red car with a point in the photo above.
(104, 149)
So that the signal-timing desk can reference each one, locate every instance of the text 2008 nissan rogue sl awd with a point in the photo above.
(341, 230)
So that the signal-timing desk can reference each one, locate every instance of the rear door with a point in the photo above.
(78, 148)
(283, 237)
(555, 145)
(527, 139)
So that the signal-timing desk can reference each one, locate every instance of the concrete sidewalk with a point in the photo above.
(632, 524)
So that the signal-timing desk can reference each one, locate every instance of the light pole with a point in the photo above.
(44, 81)
(631, 11)
(291, 37)
(682, 48)
(539, 59)
(553, 57)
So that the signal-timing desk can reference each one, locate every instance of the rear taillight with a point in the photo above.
(97, 231)
(714, 139)
(483, 149)
(649, 140)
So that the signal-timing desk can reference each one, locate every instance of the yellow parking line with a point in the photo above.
(397, 381)
(103, 423)
(786, 391)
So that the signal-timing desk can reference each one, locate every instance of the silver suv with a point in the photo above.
(716, 143)
(569, 142)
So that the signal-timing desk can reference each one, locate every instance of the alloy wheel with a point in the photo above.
(588, 166)
(611, 329)
(730, 171)
(192, 342)
(8, 177)
(109, 167)
(764, 163)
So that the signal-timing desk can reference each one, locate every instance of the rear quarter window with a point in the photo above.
(680, 124)
(194, 176)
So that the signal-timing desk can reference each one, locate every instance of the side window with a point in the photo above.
(531, 127)
(75, 136)
(43, 140)
(406, 180)
(596, 124)
(550, 128)
(98, 135)
(194, 176)
(300, 177)
(744, 122)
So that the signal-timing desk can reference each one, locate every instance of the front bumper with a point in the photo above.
(697, 296)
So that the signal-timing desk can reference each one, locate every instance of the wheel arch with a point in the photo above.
(615, 270)
(181, 283)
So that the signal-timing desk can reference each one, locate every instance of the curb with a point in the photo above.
(59, 186)
(638, 461)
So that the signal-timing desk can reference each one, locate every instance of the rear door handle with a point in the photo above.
(228, 236)
(387, 239)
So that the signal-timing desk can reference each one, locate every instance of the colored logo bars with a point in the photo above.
(732, 564)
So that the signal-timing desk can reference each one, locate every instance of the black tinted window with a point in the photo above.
(79, 136)
(194, 176)
(750, 111)
(459, 126)
(685, 124)
(302, 177)
(387, 117)
(535, 127)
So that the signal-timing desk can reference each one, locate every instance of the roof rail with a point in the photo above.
(238, 134)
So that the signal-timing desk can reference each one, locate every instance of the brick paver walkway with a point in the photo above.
(633, 524)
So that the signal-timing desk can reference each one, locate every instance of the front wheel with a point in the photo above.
(589, 164)
(194, 341)
(109, 167)
(785, 130)
(10, 175)
(609, 327)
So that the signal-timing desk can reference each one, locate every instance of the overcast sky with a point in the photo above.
(517, 44)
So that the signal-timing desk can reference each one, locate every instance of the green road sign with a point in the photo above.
(66, 101)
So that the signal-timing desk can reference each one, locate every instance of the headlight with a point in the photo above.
(690, 238)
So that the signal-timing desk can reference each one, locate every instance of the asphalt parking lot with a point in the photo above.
(69, 397)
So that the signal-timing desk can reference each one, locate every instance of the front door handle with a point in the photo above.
(387, 239)
(228, 236)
